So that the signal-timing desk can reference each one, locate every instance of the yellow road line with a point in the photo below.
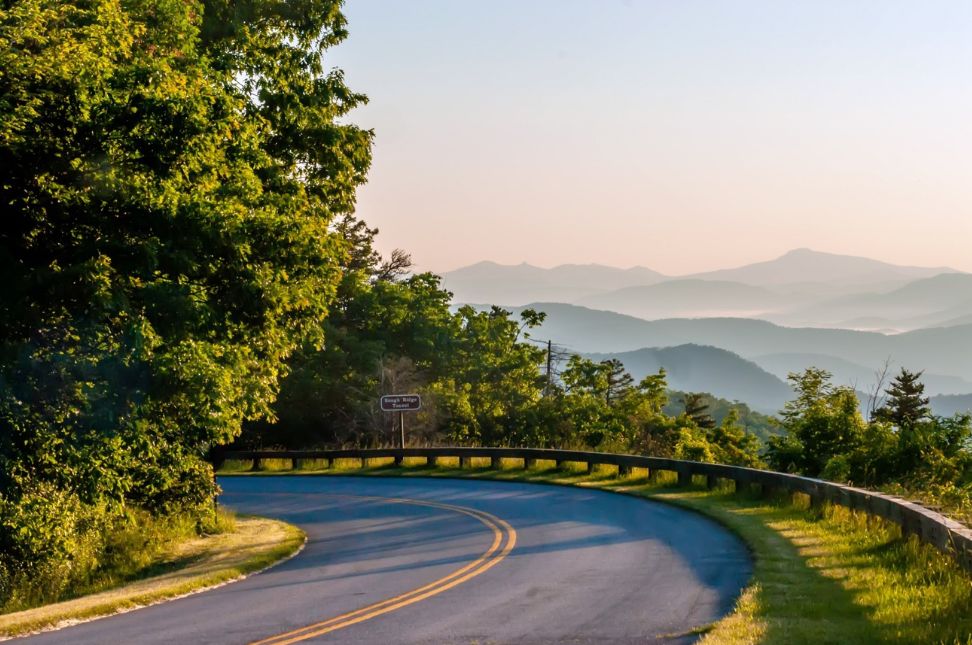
(501, 530)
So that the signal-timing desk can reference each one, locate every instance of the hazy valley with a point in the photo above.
(738, 333)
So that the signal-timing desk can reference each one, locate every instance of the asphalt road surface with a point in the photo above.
(392, 560)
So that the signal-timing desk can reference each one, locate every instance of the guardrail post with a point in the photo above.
(399, 460)
(463, 462)
(295, 463)
(560, 464)
(684, 478)
(494, 462)
(529, 463)
(590, 467)
(624, 471)
(651, 474)
(910, 524)
(432, 460)
(257, 464)
(711, 481)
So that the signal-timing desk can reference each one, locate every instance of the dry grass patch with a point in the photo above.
(193, 565)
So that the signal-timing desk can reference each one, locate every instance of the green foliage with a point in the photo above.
(171, 171)
(696, 409)
(822, 422)
(906, 404)
(903, 445)
(761, 425)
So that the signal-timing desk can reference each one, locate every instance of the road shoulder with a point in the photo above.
(255, 544)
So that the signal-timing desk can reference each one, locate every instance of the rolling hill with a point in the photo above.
(697, 368)
(945, 351)
(922, 303)
(848, 373)
(947, 405)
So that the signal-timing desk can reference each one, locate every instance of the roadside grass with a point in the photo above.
(821, 575)
(183, 567)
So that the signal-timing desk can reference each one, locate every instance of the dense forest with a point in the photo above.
(184, 271)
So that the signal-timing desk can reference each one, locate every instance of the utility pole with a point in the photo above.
(549, 372)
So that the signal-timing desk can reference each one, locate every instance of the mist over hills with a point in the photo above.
(688, 297)
(737, 333)
(801, 288)
(945, 351)
(947, 405)
(858, 376)
(923, 303)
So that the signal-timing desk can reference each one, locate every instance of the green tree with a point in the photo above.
(906, 404)
(734, 444)
(171, 171)
(697, 409)
(821, 423)
(618, 382)
(492, 382)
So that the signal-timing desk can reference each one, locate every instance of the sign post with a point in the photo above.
(401, 403)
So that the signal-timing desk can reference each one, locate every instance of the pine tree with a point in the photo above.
(906, 404)
(697, 409)
(619, 382)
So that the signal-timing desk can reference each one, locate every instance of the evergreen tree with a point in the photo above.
(906, 404)
(618, 381)
(697, 409)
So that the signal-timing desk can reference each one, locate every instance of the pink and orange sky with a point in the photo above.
(681, 135)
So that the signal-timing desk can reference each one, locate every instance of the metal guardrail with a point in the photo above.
(930, 527)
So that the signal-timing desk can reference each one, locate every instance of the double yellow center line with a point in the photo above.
(504, 539)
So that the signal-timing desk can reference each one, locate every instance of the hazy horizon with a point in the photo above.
(680, 136)
(690, 272)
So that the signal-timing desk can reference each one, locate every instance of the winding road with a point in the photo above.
(410, 560)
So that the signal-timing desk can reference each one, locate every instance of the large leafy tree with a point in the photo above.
(822, 423)
(386, 331)
(171, 172)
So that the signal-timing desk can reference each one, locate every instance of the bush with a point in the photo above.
(48, 540)
(54, 547)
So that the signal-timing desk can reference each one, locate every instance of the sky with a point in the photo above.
(682, 135)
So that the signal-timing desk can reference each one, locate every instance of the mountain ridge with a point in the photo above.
(802, 287)
(944, 350)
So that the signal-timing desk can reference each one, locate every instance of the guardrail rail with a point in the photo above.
(930, 527)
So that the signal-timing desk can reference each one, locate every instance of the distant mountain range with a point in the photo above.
(519, 284)
(808, 267)
(801, 288)
(943, 299)
(689, 298)
(946, 352)
(737, 333)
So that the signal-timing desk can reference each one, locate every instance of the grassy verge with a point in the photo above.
(821, 575)
(184, 567)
